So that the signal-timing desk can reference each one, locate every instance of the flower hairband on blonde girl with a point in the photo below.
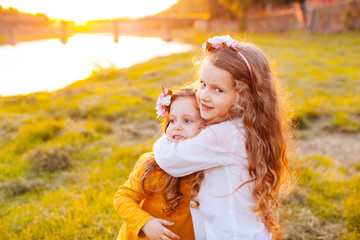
(163, 102)
(216, 42)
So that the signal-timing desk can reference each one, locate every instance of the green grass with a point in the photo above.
(321, 73)
(324, 203)
(102, 124)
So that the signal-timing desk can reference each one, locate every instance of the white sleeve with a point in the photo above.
(204, 151)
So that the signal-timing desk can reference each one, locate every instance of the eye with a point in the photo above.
(172, 121)
(218, 90)
(202, 84)
(188, 120)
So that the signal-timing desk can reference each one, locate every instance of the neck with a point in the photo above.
(217, 120)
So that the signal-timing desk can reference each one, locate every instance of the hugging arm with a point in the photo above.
(204, 151)
(126, 203)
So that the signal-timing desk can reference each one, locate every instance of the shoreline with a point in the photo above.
(157, 33)
(103, 63)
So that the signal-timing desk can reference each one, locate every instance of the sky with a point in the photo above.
(85, 10)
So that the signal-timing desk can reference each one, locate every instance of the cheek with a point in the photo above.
(192, 131)
(198, 93)
(228, 107)
(168, 130)
(228, 102)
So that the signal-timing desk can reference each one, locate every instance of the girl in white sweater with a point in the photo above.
(243, 150)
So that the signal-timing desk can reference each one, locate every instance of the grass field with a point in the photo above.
(63, 154)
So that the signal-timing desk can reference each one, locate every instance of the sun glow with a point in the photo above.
(86, 10)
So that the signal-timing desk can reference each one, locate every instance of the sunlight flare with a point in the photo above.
(82, 10)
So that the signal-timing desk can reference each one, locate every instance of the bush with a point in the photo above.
(17, 186)
(306, 225)
(352, 206)
(100, 127)
(49, 160)
(36, 132)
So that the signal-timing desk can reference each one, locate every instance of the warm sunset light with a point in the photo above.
(106, 132)
(82, 10)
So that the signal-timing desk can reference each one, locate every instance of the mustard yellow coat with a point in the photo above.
(136, 209)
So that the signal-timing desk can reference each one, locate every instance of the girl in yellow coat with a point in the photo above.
(152, 204)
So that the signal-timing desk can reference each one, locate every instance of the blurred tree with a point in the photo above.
(185, 6)
(214, 7)
(13, 12)
(241, 8)
(218, 10)
(280, 2)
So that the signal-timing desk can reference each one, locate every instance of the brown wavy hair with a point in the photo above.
(168, 185)
(266, 124)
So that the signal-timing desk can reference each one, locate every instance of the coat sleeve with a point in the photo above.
(206, 150)
(127, 202)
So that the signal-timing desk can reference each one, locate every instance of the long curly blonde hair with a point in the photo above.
(266, 125)
(169, 186)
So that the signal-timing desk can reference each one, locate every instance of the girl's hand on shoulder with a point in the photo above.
(155, 229)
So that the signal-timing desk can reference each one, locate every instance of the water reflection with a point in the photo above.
(50, 65)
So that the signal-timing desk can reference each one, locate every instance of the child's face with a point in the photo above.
(216, 92)
(184, 119)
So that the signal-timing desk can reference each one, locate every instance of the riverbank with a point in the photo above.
(28, 37)
(158, 33)
(63, 154)
(185, 34)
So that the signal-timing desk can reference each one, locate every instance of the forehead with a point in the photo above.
(184, 105)
(212, 74)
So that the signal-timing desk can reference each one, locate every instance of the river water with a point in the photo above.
(48, 65)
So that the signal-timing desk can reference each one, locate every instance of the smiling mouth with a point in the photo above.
(205, 107)
(177, 137)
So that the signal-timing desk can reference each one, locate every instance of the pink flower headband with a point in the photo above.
(163, 102)
(216, 42)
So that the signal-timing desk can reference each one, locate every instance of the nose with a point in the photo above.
(204, 94)
(178, 126)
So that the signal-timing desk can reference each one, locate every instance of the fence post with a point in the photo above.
(63, 32)
(299, 14)
(12, 33)
(311, 23)
(167, 37)
(116, 31)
